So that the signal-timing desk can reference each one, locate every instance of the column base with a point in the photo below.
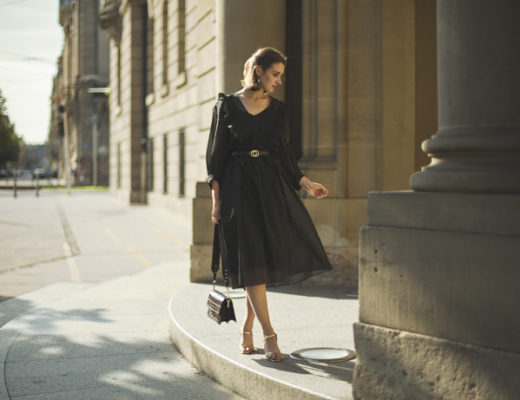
(438, 297)
(202, 247)
(200, 257)
(399, 365)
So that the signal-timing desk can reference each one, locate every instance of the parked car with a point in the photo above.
(38, 173)
(3, 174)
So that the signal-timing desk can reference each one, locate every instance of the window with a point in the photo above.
(118, 161)
(181, 36)
(165, 43)
(149, 165)
(182, 161)
(118, 95)
(165, 163)
(148, 51)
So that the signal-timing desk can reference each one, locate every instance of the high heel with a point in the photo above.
(246, 349)
(273, 356)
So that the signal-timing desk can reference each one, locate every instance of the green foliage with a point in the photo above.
(9, 142)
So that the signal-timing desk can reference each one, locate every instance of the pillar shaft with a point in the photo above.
(242, 27)
(477, 145)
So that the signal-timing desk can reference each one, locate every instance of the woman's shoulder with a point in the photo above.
(223, 103)
(279, 105)
(222, 95)
(222, 98)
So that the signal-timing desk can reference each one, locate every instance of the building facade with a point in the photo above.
(427, 257)
(360, 85)
(79, 120)
(366, 83)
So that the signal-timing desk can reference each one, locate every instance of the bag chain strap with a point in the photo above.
(215, 263)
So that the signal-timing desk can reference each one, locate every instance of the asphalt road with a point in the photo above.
(85, 282)
(81, 237)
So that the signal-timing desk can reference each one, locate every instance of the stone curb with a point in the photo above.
(246, 382)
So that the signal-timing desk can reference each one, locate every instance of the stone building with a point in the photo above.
(367, 82)
(79, 119)
(439, 315)
(360, 85)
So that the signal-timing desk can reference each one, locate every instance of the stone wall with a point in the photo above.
(439, 265)
(360, 104)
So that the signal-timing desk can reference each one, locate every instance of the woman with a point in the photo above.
(266, 234)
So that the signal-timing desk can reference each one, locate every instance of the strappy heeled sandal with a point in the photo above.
(246, 349)
(278, 356)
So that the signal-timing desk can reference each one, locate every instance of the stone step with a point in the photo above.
(304, 316)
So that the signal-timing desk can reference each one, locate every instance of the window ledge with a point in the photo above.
(165, 90)
(180, 80)
(150, 99)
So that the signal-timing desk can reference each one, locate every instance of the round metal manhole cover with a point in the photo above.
(324, 354)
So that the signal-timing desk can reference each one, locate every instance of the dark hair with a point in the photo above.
(264, 58)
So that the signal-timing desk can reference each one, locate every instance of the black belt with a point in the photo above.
(251, 153)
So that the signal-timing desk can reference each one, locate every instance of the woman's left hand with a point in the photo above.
(317, 190)
(313, 188)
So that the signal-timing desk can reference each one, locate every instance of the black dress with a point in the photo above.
(266, 234)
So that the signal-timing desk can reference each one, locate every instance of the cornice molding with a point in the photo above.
(110, 19)
(128, 3)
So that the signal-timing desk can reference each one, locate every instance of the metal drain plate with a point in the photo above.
(324, 354)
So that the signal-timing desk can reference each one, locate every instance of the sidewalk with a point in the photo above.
(92, 323)
(76, 341)
(110, 341)
(106, 337)
(303, 316)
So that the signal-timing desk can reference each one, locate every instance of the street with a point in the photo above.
(85, 284)
(84, 237)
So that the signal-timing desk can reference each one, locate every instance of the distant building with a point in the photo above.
(80, 118)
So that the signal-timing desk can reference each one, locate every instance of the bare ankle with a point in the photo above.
(247, 328)
(268, 333)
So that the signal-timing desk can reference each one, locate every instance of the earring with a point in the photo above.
(256, 85)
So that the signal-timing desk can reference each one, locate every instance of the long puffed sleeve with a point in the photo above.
(287, 157)
(217, 151)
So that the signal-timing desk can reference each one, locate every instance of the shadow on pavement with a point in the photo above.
(328, 292)
(80, 362)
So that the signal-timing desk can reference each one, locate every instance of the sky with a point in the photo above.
(31, 40)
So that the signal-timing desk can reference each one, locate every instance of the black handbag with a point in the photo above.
(220, 306)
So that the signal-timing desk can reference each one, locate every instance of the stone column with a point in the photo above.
(242, 27)
(439, 266)
(477, 146)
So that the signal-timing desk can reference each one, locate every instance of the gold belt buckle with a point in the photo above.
(254, 153)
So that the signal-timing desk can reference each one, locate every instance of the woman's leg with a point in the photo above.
(258, 298)
(247, 326)
(250, 315)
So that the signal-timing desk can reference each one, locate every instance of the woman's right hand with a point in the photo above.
(215, 212)
(215, 209)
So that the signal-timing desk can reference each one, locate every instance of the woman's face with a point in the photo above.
(271, 77)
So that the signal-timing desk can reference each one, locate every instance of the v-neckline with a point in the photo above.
(244, 108)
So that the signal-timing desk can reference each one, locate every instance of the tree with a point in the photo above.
(9, 142)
